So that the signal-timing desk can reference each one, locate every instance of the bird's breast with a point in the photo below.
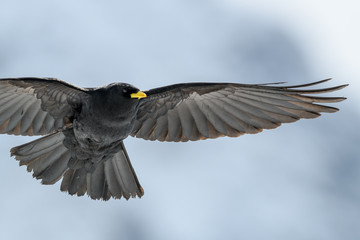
(103, 133)
(98, 127)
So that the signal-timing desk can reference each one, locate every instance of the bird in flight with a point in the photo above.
(84, 128)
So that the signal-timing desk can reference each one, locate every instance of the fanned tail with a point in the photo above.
(48, 159)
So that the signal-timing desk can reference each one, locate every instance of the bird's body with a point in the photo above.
(105, 117)
(85, 127)
(99, 127)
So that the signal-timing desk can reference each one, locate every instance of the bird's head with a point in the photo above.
(125, 90)
(116, 100)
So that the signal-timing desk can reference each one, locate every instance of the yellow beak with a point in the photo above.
(138, 95)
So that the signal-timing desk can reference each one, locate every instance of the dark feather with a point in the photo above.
(36, 106)
(227, 109)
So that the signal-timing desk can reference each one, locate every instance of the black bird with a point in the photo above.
(85, 127)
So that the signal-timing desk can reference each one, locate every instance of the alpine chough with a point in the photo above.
(85, 127)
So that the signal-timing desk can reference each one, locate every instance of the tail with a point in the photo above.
(48, 159)
(114, 177)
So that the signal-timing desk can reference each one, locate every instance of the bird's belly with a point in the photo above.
(99, 133)
(91, 144)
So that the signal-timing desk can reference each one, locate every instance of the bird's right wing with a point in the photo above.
(37, 106)
(194, 111)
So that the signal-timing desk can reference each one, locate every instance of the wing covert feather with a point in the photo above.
(37, 106)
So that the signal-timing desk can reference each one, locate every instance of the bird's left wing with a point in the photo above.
(37, 106)
(197, 111)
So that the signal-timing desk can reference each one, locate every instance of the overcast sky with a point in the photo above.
(300, 181)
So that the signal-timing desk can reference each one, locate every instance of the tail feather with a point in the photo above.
(66, 180)
(97, 185)
(55, 171)
(74, 182)
(112, 180)
(41, 147)
(117, 178)
(48, 159)
(77, 183)
(121, 177)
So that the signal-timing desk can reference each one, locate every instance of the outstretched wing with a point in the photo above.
(37, 106)
(196, 111)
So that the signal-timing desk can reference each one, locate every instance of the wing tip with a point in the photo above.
(316, 83)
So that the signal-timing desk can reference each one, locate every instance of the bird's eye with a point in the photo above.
(124, 91)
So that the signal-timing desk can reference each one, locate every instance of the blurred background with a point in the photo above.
(300, 181)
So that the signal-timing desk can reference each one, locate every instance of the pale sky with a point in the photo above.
(300, 181)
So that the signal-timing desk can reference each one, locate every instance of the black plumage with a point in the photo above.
(85, 127)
